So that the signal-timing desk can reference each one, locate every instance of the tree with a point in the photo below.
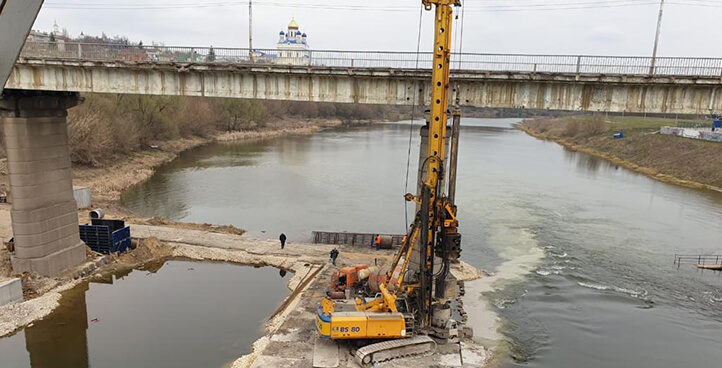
(211, 57)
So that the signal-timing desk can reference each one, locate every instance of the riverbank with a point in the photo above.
(675, 160)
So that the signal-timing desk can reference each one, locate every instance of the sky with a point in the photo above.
(602, 27)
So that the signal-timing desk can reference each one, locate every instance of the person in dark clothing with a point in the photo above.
(334, 255)
(282, 238)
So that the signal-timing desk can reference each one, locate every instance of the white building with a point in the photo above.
(293, 46)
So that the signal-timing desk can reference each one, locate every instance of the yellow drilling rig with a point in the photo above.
(414, 301)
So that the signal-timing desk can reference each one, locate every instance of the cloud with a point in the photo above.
(687, 30)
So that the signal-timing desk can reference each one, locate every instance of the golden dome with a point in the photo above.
(293, 24)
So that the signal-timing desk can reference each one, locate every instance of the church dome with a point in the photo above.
(293, 24)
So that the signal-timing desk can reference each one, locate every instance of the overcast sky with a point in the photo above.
(604, 27)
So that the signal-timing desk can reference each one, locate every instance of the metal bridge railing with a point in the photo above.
(573, 64)
(708, 260)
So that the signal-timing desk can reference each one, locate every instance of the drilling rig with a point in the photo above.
(414, 302)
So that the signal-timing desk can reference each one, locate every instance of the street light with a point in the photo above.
(656, 37)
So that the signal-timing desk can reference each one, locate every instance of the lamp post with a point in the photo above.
(250, 30)
(656, 37)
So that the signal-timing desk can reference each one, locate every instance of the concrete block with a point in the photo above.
(17, 167)
(35, 154)
(325, 354)
(28, 228)
(42, 214)
(52, 264)
(39, 245)
(28, 182)
(55, 197)
(82, 197)
(11, 291)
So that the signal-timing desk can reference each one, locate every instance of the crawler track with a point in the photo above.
(394, 349)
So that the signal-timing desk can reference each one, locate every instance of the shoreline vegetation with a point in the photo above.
(686, 162)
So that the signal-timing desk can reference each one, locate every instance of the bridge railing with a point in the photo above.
(573, 64)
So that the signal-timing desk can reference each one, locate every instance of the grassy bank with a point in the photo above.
(682, 161)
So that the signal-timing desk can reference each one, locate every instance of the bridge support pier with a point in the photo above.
(44, 213)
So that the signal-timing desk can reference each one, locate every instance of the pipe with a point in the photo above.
(454, 154)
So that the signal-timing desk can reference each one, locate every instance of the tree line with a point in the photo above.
(107, 125)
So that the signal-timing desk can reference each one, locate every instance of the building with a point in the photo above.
(57, 38)
(292, 46)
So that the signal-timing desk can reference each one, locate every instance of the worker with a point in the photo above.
(378, 242)
(334, 255)
(282, 238)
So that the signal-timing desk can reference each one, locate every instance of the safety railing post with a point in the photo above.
(579, 65)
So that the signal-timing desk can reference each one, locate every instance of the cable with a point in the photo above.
(411, 124)
(486, 7)
(461, 38)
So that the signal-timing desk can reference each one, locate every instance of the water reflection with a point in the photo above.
(61, 343)
(587, 163)
(165, 315)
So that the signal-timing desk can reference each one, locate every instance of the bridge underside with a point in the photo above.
(541, 91)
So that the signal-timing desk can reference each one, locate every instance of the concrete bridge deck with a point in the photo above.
(573, 83)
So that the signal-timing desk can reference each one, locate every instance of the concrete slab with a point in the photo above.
(325, 354)
(11, 291)
(270, 361)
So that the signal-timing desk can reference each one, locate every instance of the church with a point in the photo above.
(292, 46)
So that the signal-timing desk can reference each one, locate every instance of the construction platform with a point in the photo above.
(291, 338)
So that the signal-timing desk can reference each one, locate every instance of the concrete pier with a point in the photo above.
(44, 217)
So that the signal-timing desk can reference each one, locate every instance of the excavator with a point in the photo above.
(413, 302)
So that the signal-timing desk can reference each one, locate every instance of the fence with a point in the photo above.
(695, 133)
(327, 237)
(698, 260)
(574, 64)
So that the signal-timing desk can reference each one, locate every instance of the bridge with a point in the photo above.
(674, 85)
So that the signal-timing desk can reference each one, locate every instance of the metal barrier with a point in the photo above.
(698, 260)
(330, 237)
(572, 64)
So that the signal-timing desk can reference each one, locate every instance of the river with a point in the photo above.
(581, 250)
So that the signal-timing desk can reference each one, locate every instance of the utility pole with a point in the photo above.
(656, 37)
(250, 30)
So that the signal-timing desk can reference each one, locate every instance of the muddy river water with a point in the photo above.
(177, 314)
(582, 249)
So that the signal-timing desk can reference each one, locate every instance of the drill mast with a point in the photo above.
(437, 217)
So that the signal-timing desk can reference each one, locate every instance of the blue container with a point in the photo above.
(717, 124)
(104, 239)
